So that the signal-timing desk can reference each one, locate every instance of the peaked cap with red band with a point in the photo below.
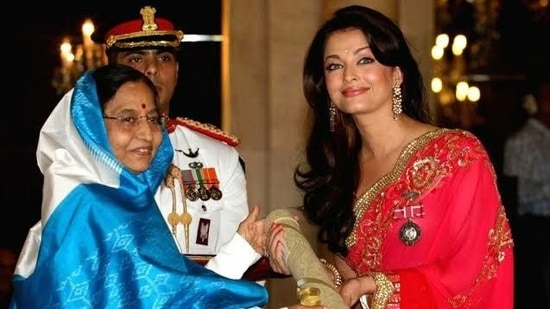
(144, 31)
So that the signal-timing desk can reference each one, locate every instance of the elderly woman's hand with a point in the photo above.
(252, 230)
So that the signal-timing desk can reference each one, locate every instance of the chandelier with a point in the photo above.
(76, 57)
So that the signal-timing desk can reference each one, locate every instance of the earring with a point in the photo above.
(332, 116)
(397, 98)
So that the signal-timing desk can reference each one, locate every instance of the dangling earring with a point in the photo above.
(332, 116)
(397, 98)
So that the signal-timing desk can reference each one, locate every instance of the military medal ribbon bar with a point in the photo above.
(413, 211)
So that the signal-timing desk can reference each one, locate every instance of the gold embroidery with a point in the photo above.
(372, 255)
(421, 178)
(424, 171)
(145, 42)
(499, 240)
(411, 185)
(384, 290)
(208, 129)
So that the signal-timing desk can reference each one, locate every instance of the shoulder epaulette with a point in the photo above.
(204, 128)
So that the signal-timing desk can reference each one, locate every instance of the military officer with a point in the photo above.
(203, 199)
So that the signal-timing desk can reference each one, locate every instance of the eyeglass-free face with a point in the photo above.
(134, 125)
(357, 83)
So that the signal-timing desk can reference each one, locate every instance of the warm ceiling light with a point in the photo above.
(88, 27)
(442, 40)
(461, 91)
(437, 85)
(437, 52)
(473, 94)
(459, 44)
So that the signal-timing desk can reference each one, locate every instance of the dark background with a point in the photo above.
(30, 53)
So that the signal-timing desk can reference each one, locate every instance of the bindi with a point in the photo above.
(143, 105)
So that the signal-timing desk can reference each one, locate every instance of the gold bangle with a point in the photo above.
(335, 273)
(384, 289)
(309, 296)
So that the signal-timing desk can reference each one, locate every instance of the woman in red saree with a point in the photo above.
(435, 228)
(410, 210)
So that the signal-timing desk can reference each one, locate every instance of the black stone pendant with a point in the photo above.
(409, 233)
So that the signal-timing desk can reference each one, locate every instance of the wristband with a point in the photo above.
(335, 273)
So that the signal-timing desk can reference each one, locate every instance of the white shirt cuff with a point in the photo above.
(234, 258)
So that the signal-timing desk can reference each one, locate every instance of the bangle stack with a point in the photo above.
(384, 290)
(335, 273)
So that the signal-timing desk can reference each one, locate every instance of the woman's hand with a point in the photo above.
(351, 291)
(276, 249)
(252, 230)
(353, 286)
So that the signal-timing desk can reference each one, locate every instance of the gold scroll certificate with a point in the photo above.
(314, 284)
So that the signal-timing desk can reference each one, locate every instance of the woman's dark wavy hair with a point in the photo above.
(109, 78)
(331, 173)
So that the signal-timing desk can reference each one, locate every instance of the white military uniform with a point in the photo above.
(205, 156)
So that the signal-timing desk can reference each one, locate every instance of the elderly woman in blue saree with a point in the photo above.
(101, 241)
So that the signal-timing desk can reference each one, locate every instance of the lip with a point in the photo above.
(353, 91)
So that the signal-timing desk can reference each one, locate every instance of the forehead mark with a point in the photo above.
(143, 105)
